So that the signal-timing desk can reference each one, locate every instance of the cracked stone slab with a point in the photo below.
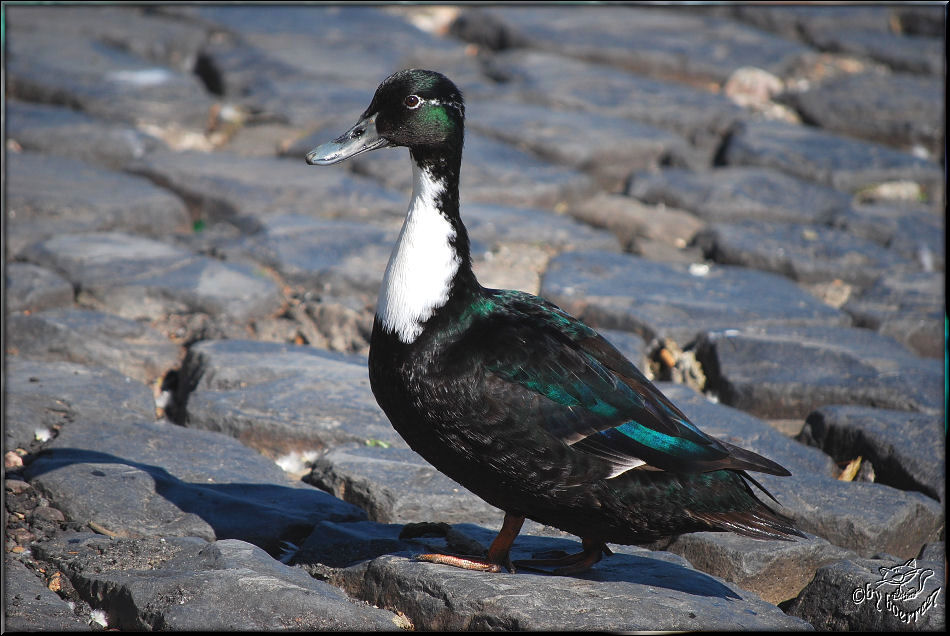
(30, 606)
(899, 444)
(186, 584)
(134, 478)
(42, 397)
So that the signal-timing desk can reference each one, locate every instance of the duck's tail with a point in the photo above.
(660, 503)
(744, 513)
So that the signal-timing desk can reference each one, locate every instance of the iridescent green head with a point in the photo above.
(422, 110)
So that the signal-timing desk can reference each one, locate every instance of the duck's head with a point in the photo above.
(422, 110)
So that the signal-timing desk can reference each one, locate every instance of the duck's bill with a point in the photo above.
(360, 138)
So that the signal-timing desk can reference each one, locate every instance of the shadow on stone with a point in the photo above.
(259, 513)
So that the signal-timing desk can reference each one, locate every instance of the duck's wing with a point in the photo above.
(554, 372)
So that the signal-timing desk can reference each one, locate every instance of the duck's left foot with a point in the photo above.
(572, 563)
(480, 564)
(498, 553)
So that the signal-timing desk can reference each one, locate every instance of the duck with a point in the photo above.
(507, 394)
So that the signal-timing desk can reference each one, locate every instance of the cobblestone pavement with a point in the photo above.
(748, 200)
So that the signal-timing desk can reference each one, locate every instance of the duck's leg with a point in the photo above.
(572, 563)
(498, 553)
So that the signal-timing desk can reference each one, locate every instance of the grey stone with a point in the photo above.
(783, 371)
(637, 225)
(280, 398)
(42, 397)
(270, 89)
(239, 190)
(138, 30)
(863, 517)
(775, 570)
(491, 225)
(185, 584)
(609, 148)
(933, 552)
(558, 82)
(338, 545)
(740, 428)
(911, 230)
(139, 278)
(50, 195)
(877, 32)
(795, 22)
(395, 485)
(54, 130)
(737, 193)
(623, 592)
(686, 46)
(908, 54)
(30, 606)
(899, 444)
(804, 253)
(896, 109)
(134, 478)
(323, 42)
(99, 76)
(629, 344)
(93, 338)
(656, 300)
(921, 20)
(494, 172)
(816, 155)
(331, 257)
(31, 288)
(875, 595)
(908, 307)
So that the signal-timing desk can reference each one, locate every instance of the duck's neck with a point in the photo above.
(431, 259)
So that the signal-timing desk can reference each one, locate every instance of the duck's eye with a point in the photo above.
(413, 101)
